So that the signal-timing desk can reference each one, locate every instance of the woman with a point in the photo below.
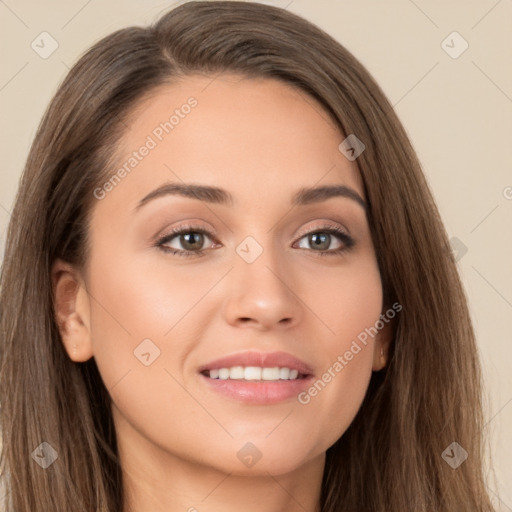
(226, 284)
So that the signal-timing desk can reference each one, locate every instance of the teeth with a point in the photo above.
(254, 373)
(270, 373)
(223, 373)
(284, 373)
(237, 372)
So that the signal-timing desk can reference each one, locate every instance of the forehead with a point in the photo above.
(258, 138)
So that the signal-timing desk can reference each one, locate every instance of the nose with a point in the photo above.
(263, 294)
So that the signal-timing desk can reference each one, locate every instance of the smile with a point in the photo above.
(257, 378)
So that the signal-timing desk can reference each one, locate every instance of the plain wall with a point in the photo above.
(457, 111)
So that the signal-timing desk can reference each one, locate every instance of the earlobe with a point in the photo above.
(71, 308)
(382, 346)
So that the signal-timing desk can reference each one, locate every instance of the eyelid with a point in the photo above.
(324, 225)
(188, 226)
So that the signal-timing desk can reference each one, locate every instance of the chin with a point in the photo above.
(261, 458)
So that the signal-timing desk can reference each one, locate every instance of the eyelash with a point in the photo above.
(347, 240)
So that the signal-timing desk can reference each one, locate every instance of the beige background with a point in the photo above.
(457, 111)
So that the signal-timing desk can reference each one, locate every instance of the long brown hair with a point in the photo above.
(390, 458)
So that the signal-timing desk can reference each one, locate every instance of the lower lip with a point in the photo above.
(259, 392)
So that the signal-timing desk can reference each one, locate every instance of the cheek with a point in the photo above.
(128, 307)
(136, 300)
(146, 318)
(346, 301)
(349, 307)
(143, 327)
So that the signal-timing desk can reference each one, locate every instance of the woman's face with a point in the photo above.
(254, 288)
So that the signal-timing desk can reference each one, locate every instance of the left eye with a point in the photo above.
(320, 239)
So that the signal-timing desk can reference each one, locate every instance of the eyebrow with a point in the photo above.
(210, 194)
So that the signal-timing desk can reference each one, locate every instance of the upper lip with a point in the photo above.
(261, 359)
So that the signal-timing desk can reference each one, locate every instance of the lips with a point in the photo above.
(287, 376)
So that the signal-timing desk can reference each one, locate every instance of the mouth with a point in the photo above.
(257, 377)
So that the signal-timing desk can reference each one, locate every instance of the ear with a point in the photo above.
(72, 310)
(382, 345)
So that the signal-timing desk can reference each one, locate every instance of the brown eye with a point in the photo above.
(192, 240)
(186, 240)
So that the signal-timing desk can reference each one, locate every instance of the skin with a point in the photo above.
(261, 140)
